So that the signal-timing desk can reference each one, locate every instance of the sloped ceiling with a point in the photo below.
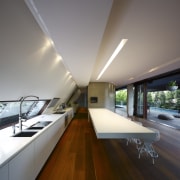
(86, 32)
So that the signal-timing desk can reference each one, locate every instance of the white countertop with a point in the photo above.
(10, 146)
(109, 125)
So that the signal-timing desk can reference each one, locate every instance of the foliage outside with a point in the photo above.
(172, 83)
(164, 99)
(160, 99)
(121, 97)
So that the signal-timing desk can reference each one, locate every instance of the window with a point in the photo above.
(121, 97)
(121, 102)
(9, 110)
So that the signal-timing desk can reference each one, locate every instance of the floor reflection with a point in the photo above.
(152, 115)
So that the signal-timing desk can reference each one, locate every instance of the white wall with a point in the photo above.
(28, 64)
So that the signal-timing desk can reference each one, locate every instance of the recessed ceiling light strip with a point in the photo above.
(115, 53)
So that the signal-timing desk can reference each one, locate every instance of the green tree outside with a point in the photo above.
(161, 99)
(121, 97)
(164, 99)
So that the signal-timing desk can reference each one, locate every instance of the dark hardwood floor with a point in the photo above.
(79, 155)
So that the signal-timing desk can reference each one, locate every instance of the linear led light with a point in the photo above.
(115, 53)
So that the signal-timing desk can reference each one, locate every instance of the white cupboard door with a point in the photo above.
(41, 151)
(21, 167)
(4, 172)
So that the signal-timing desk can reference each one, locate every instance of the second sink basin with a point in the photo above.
(30, 131)
(40, 125)
(35, 127)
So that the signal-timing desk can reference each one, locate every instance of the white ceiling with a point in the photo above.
(86, 32)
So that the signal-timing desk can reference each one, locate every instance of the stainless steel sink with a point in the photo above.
(25, 134)
(30, 131)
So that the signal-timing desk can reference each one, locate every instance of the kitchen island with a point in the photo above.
(109, 125)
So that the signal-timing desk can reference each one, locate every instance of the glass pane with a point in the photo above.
(121, 102)
(9, 111)
(140, 100)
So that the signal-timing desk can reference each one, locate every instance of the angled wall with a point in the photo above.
(28, 61)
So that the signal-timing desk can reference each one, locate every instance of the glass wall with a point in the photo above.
(121, 98)
(155, 101)
(164, 104)
(121, 102)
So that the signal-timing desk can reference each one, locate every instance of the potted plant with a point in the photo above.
(172, 86)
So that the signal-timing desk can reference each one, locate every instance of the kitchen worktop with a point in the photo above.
(11, 146)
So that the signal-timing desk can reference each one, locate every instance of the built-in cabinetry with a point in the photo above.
(4, 172)
(41, 151)
(68, 118)
(22, 165)
(45, 143)
(30, 160)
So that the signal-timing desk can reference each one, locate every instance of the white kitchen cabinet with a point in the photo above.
(21, 167)
(27, 163)
(45, 143)
(70, 115)
(41, 151)
(4, 172)
(55, 132)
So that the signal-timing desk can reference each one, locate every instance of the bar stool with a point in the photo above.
(147, 145)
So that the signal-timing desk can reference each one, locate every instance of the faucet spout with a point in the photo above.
(20, 109)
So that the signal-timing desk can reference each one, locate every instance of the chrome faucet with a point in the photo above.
(20, 109)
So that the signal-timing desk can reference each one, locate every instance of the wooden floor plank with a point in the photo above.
(79, 155)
